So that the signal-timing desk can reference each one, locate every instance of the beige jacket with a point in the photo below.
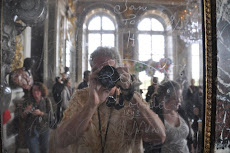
(123, 133)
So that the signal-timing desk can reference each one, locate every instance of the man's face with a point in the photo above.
(101, 61)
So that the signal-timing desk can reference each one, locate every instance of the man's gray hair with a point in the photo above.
(106, 52)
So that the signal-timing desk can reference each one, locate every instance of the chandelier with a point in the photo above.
(191, 31)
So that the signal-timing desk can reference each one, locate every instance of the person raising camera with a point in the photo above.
(37, 107)
(109, 116)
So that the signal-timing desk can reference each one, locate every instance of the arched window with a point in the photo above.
(152, 40)
(99, 30)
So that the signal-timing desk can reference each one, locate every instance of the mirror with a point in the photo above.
(155, 40)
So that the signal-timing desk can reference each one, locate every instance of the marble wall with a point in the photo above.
(223, 76)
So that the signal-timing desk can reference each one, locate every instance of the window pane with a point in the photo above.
(95, 23)
(68, 57)
(108, 40)
(157, 47)
(159, 75)
(156, 25)
(144, 47)
(195, 49)
(145, 24)
(146, 81)
(107, 24)
(195, 62)
(94, 42)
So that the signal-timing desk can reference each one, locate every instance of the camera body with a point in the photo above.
(108, 76)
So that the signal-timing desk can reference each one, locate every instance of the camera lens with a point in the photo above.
(108, 77)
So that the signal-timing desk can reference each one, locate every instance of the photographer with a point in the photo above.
(107, 117)
(36, 113)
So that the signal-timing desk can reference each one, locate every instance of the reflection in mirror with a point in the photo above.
(161, 88)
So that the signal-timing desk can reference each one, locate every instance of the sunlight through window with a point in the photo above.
(195, 62)
(95, 24)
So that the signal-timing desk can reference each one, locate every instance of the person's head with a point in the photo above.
(63, 76)
(39, 90)
(192, 82)
(169, 95)
(58, 79)
(66, 69)
(28, 63)
(104, 56)
(155, 80)
(86, 75)
(67, 82)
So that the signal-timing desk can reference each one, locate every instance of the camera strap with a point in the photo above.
(100, 130)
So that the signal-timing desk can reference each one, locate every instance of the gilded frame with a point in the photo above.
(210, 71)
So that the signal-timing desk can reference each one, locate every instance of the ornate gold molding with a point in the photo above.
(208, 75)
(18, 57)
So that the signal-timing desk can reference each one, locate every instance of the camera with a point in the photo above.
(31, 111)
(108, 77)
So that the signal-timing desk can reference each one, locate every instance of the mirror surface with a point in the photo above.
(156, 39)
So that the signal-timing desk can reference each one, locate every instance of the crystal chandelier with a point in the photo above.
(192, 27)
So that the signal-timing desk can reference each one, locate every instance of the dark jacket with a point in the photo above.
(39, 122)
(151, 90)
(82, 85)
(56, 91)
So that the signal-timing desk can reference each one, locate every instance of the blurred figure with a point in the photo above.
(64, 75)
(84, 84)
(36, 113)
(136, 83)
(22, 77)
(184, 93)
(56, 91)
(191, 99)
(152, 88)
(66, 93)
(166, 103)
(99, 119)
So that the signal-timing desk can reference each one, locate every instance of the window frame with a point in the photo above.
(85, 36)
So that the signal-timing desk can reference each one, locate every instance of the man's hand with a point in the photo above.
(125, 77)
(37, 112)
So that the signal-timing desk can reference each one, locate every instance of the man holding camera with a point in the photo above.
(109, 116)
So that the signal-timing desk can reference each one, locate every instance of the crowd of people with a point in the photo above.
(107, 113)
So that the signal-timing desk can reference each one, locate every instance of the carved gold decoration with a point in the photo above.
(71, 23)
(71, 17)
(18, 58)
(208, 75)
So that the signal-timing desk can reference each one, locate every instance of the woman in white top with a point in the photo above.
(166, 103)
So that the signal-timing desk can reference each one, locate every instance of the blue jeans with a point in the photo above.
(38, 142)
